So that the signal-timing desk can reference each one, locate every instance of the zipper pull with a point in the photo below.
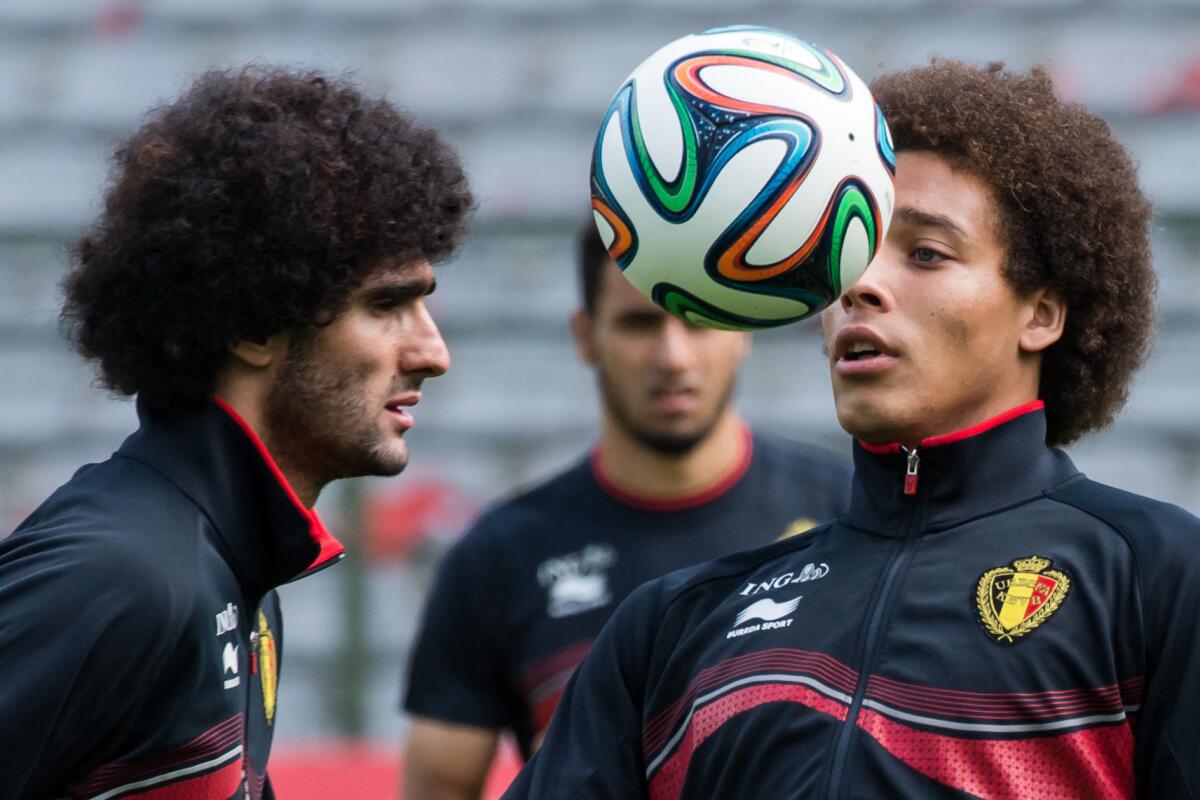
(254, 636)
(910, 474)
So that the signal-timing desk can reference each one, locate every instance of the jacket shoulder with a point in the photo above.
(527, 508)
(1151, 527)
(709, 580)
(115, 529)
(810, 475)
(93, 607)
(790, 454)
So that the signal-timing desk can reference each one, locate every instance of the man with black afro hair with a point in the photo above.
(257, 279)
(992, 624)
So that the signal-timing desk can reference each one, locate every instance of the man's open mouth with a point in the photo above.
(860, 351)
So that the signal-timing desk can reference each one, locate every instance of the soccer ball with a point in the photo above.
(743, 178)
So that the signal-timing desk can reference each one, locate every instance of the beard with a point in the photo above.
(661, 440)
(318, 420)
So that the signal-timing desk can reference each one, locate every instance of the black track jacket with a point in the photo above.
(984, 622)
(139, 631)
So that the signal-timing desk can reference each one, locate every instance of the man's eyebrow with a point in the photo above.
(925, 219)
(402, 290)
(639, 314)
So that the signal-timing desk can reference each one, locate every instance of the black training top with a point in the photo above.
(140, 634)
(988, 623)
(519, 600)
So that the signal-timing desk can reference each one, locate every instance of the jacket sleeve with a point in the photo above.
(81, 637)
(1168, 723)
(593, 747)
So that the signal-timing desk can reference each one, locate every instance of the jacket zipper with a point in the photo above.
(840, 753)
(910, 472)
(254, 635)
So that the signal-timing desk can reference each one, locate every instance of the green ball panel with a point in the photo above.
(690, 308)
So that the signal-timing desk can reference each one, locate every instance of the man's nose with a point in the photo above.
(870, 290)
(675, 345)
(426, 353)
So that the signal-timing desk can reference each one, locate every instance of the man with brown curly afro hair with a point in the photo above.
(257, 279)
(984, 621)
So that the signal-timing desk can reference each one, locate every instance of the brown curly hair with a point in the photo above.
(1071, 214)
(252, 205)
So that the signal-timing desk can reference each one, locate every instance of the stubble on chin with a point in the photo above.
(318, 421)
(666, 442)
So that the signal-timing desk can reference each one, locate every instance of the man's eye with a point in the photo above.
(639, 323)
(389, 305)
(925, 255)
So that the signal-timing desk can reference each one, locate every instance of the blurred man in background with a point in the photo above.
(993, 624)
(675, 478)
(257, 281)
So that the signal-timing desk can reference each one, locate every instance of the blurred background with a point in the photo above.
(518, 86)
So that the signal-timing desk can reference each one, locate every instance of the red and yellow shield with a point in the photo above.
(1014, 600)
(268, 666)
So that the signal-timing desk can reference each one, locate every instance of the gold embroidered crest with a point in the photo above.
(1014, 600)
(796, 527)
(268, 666)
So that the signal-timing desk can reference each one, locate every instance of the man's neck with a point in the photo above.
(638, 469)
(951, 424)
(249, 405)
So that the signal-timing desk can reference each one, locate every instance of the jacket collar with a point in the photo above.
(960, 476)
(216, 459)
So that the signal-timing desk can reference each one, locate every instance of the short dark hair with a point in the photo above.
(1070, 212)
(592, 257)
(252, 205)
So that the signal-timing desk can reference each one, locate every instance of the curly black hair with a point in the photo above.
(253, 204)
(1071, 214)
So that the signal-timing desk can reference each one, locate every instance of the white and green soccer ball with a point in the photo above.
(743, 178)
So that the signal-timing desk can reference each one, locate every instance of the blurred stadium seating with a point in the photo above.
(519, 86)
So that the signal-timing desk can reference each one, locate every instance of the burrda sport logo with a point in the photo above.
(773, 615)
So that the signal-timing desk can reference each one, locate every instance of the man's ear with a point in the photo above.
(1044, 326)
(581, 329)
(261, 354)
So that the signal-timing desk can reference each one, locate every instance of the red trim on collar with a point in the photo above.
(958, 436)
(681, 502)
(331, 548)
(880, 449)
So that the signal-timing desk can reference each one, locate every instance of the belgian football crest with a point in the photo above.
(796, 527)
(1014, 600)
(268, 666)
